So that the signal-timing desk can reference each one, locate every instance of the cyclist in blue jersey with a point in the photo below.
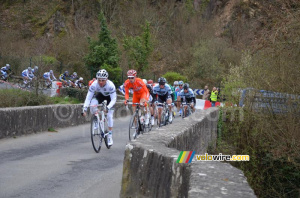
(187, 95)
(4, 71)
(163, 94)
(27, 75)
(64, 78)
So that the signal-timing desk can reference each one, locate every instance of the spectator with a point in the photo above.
(206, 94)
(214, 97)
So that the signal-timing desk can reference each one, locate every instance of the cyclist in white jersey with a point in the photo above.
(27, 74)
(47, 76)
(100, 90)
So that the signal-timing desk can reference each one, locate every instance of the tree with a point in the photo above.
(104, 53)
(139, 49)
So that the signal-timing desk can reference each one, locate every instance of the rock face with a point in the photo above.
(150, 168)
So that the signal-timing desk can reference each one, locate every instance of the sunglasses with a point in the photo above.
(130, 78)
(180, 85)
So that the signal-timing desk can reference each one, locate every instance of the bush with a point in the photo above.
(173, 76)
(18, 98)
(79, 94)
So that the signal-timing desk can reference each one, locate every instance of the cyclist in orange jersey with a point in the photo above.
(140, 91)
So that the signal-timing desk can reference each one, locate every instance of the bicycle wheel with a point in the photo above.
(106, 133)
(182, 112)
(96, 136)
(163, 118)
(134, 127)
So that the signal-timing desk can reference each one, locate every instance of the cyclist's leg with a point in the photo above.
(160, 99)
(169, 102)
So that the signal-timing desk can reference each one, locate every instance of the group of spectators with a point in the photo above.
(212, 96)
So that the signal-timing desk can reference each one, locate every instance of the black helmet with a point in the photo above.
(162, 81)
(186, 86)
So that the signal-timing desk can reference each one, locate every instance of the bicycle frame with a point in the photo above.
(188, 111)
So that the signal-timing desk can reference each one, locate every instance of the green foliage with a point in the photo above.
(19, 98)
(173, 76)
(64, 100)
(72, 95)
(139, 49)
(104, 53)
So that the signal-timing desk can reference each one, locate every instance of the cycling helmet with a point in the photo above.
(145, 81)
(102, 74)
(29, 69)
(180, 83)
(162, 81)
(131, 73)
(74, 74)
(186, 86)
(51, 71)
(150, 82)
(80, 79)
(175, 83)
(36, 68)
(66, 72)
(8, 65)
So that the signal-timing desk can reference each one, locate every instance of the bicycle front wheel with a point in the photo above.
(96, 136)
(133, 127)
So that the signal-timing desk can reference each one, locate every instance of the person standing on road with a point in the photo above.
(214, 97)
(102, 89)
(206, 93)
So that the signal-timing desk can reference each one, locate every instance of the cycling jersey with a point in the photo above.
(28, 74)
(91, 81)
(4, 71)
(108, 89)
(73, 78)
(188, 96)
(63, 77)
(162, 94)
(47, 76)
(139, 90)
(79, 84)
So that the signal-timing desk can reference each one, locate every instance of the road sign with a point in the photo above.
(198, 91)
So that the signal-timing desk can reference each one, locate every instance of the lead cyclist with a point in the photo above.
(100, 90)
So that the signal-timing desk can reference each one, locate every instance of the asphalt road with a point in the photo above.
(62, 164)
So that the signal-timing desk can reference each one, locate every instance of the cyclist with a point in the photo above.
(140, 91)
(4, 71)
(188, 95)
(79, 83)
(175, 93)
(47, 76)
(163, 94)
(35, 69)
(63, 78)
(151, 100)
(73, 79)
(178, 90)
(27, 74)
(102, 89)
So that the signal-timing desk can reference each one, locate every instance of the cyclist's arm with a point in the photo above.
(89, 97)
(113, 99)
(126, 91)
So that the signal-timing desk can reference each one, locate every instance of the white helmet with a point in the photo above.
(145, 81)
(29, 69)
(80, 79)
(36, 68)
(8, 65)
(74, 74)
(175, 83)
(102, 74)
(51, 71)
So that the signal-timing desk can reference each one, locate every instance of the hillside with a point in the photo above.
(207, 36)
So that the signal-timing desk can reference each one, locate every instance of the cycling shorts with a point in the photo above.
(137, 97)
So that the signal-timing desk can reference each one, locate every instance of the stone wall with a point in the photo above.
(25, 120)
(150, 168)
